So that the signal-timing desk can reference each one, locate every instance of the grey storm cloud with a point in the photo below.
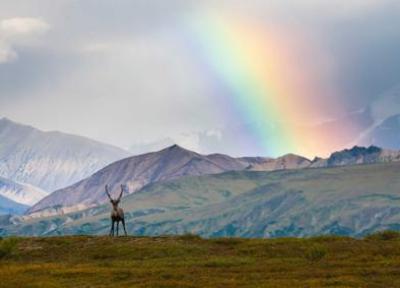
(117, 71)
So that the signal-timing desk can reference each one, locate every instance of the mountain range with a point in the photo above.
(136, 172)
(175, 190)
(351, 200)
(176, 162)
(50, 160)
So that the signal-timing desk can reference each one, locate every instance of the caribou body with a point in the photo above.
(117, 214)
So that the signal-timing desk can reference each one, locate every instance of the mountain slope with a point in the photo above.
(21, 193)
(353, 200)
(136, 172)
(7, 206)
(50, 160)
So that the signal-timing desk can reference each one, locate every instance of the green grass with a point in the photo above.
(189, 261)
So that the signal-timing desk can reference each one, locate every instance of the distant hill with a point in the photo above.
(136, 172)
(50, 160)
(352, 200)
(21, 193)
(346, 157)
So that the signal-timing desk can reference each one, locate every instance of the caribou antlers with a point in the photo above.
(108, 193)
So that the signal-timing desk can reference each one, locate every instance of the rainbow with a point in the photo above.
(267, 81)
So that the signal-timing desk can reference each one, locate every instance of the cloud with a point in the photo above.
(386, 105)
(96, 47)
(7, 54)
(23, 26)
(18, 31)
(132, 71)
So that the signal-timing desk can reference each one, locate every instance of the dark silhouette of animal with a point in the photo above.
(117, 214)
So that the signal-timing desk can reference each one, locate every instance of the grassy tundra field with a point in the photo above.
(189, 261)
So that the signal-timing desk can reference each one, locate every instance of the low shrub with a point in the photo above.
(8, 246)
(384, 235)
(315, 253)
(189, 237)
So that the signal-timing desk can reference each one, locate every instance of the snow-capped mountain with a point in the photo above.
(50, 160)
(136, 172)
(21, 193)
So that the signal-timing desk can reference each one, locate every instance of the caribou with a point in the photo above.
(117, 214)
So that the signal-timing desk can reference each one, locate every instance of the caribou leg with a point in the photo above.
(123, 225)
(117, 227)
(112, 228)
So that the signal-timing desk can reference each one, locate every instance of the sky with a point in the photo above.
(239, 77)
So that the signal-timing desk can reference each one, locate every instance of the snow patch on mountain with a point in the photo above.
(50, 160)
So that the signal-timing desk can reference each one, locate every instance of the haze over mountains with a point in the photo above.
(50, 160)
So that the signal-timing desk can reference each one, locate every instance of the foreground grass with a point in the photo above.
(189, 261)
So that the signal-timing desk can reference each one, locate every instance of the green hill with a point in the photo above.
(354, 201)
(189, 261)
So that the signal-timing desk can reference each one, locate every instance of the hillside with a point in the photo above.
(193, 262)
(50, 160)
(354, 200)
(136, 172)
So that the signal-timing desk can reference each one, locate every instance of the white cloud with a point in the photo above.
(7, 54)
(23, 26)
(96, 47)
(18, 31)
